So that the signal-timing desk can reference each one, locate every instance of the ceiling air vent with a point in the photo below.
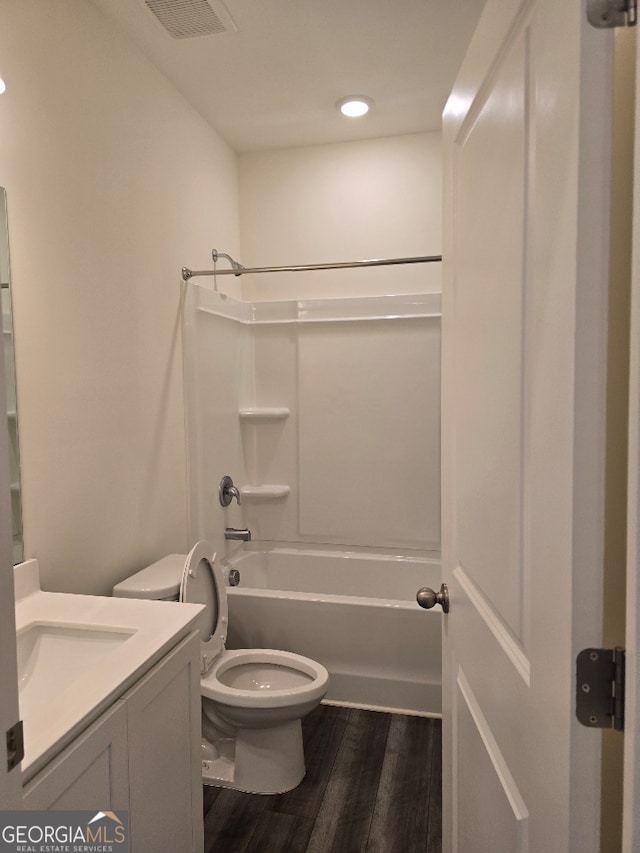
(187, 19)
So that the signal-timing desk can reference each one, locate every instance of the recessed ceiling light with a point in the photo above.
(354, 106)
(2, 86)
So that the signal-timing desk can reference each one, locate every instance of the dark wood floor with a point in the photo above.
(373, 784)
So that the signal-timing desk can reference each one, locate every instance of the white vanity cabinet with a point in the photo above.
(90, 771)
(142, 755)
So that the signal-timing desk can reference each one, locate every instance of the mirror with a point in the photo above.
(10, 380)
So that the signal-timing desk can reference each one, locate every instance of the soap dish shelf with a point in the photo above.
(264, 493)
(264, 413)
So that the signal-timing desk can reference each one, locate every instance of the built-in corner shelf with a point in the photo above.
(264, 413)
(264, 493)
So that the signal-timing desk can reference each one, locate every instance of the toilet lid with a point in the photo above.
(203, 583)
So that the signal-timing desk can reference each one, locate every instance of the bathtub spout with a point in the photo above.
(243, 533)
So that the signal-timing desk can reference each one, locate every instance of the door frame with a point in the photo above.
(631, 814)
(10, 781)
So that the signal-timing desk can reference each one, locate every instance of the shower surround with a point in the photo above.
(326, 413)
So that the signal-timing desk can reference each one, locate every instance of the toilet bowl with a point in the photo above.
(253, 700)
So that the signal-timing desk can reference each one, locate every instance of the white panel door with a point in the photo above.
(526, 134)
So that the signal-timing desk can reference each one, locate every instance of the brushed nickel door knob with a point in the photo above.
(428, 598)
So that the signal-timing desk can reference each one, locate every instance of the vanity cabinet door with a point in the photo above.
(165, 781)
(91, 773)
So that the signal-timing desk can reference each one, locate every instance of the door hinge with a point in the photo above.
(605, 14)
(15, 746)
(600, 688)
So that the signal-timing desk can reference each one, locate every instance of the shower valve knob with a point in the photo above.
(428, 598)
(227, 491)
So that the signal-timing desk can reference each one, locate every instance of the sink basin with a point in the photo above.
(51, 656)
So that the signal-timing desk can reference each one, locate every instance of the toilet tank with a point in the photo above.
(159, 581)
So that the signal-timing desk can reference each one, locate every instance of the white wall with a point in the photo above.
(377, 198)
(114, 183)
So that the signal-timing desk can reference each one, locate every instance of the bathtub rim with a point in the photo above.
(339, 552)
(399, 555)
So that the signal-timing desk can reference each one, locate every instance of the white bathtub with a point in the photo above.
(353, 610)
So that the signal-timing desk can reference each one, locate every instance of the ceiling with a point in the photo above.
(274, 82)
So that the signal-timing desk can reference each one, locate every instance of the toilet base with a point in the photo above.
(257, 761)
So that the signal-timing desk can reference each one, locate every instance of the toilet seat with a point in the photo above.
(202, 582)
(298, 679)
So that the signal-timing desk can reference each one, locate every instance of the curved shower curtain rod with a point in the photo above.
(237, 269)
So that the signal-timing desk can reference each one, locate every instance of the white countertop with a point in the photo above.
(154, 627)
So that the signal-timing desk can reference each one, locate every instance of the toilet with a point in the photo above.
(253, 700)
